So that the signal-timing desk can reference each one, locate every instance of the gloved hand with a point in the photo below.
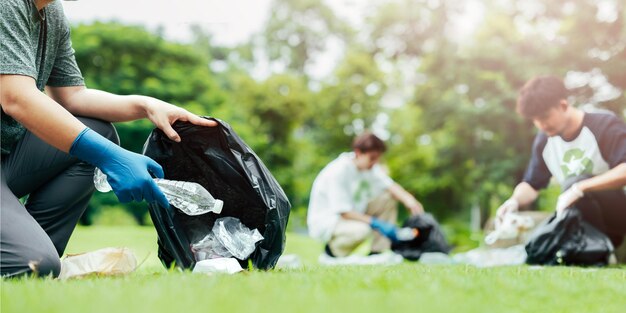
(128, 173)
(508, 206)
(568, 198)
(387, 229)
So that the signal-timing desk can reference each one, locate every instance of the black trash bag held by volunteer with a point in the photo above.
(568, 240)
(430, 238)
(220, 161)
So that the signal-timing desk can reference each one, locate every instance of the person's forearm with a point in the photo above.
(409, 201)
(38, 113)
(356, 216)
(612, 179)
(86, 102)
(79, 100)
(524, 194)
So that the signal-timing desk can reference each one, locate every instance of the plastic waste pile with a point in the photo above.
(479, 257)
(510, 227)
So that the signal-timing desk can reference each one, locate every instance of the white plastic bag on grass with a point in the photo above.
(386, 258)
(218, 265)
(481, 257)
(103, 262)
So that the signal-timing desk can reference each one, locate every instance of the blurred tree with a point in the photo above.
(299, 29)
(347, 104)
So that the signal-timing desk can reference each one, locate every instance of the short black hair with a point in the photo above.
(367, 142)
(539, 95)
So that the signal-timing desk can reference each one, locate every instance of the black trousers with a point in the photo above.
(34, 235)
(605, 210)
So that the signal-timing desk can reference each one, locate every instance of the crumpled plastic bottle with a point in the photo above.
(228, 238)
(189, 197)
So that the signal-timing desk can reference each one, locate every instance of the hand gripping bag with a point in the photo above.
(220, 161)
(568, 240)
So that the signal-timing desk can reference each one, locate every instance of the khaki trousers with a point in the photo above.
(349, 234)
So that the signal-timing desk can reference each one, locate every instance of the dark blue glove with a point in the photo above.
(387, 229)
(128, 173)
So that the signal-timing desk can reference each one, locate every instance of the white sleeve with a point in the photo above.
(339, 196)
(381, 181)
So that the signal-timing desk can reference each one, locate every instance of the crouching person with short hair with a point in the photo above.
(353, 198)
(584, 152)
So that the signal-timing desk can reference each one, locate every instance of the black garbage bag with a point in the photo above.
(220, 161)
(430, 238)
(568, 240)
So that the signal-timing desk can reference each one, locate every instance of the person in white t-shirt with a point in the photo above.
(353, 197)
(584, 152)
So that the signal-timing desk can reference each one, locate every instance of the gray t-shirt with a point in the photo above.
(38, 47)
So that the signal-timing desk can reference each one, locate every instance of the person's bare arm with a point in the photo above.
(612, 179)
(524, 194)
(409, 201)
(44, 117)
(356, 216)
(83, 101)
(385, 228)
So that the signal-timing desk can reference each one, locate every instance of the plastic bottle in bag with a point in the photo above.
(189, 197)
(406, 233)
(236, 237)
(228, 238)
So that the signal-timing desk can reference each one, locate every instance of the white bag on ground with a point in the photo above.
(482, 257)
(218, 265)
(289, 261)
(387, 258)
(104, 262)
(479, 257)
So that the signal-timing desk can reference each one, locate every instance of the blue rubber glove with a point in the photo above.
(387, 229)
(128, 173)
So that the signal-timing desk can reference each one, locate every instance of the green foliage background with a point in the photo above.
(444, 104)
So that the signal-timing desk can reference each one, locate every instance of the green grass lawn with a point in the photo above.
(409, 287)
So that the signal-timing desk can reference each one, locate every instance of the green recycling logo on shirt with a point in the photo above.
(362, 191)
(575, 163)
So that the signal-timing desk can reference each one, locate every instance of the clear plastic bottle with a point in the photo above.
(189, 197)
(407, 233)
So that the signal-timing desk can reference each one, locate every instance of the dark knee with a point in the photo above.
(106, 129)
(38, 264)
(50, 265)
